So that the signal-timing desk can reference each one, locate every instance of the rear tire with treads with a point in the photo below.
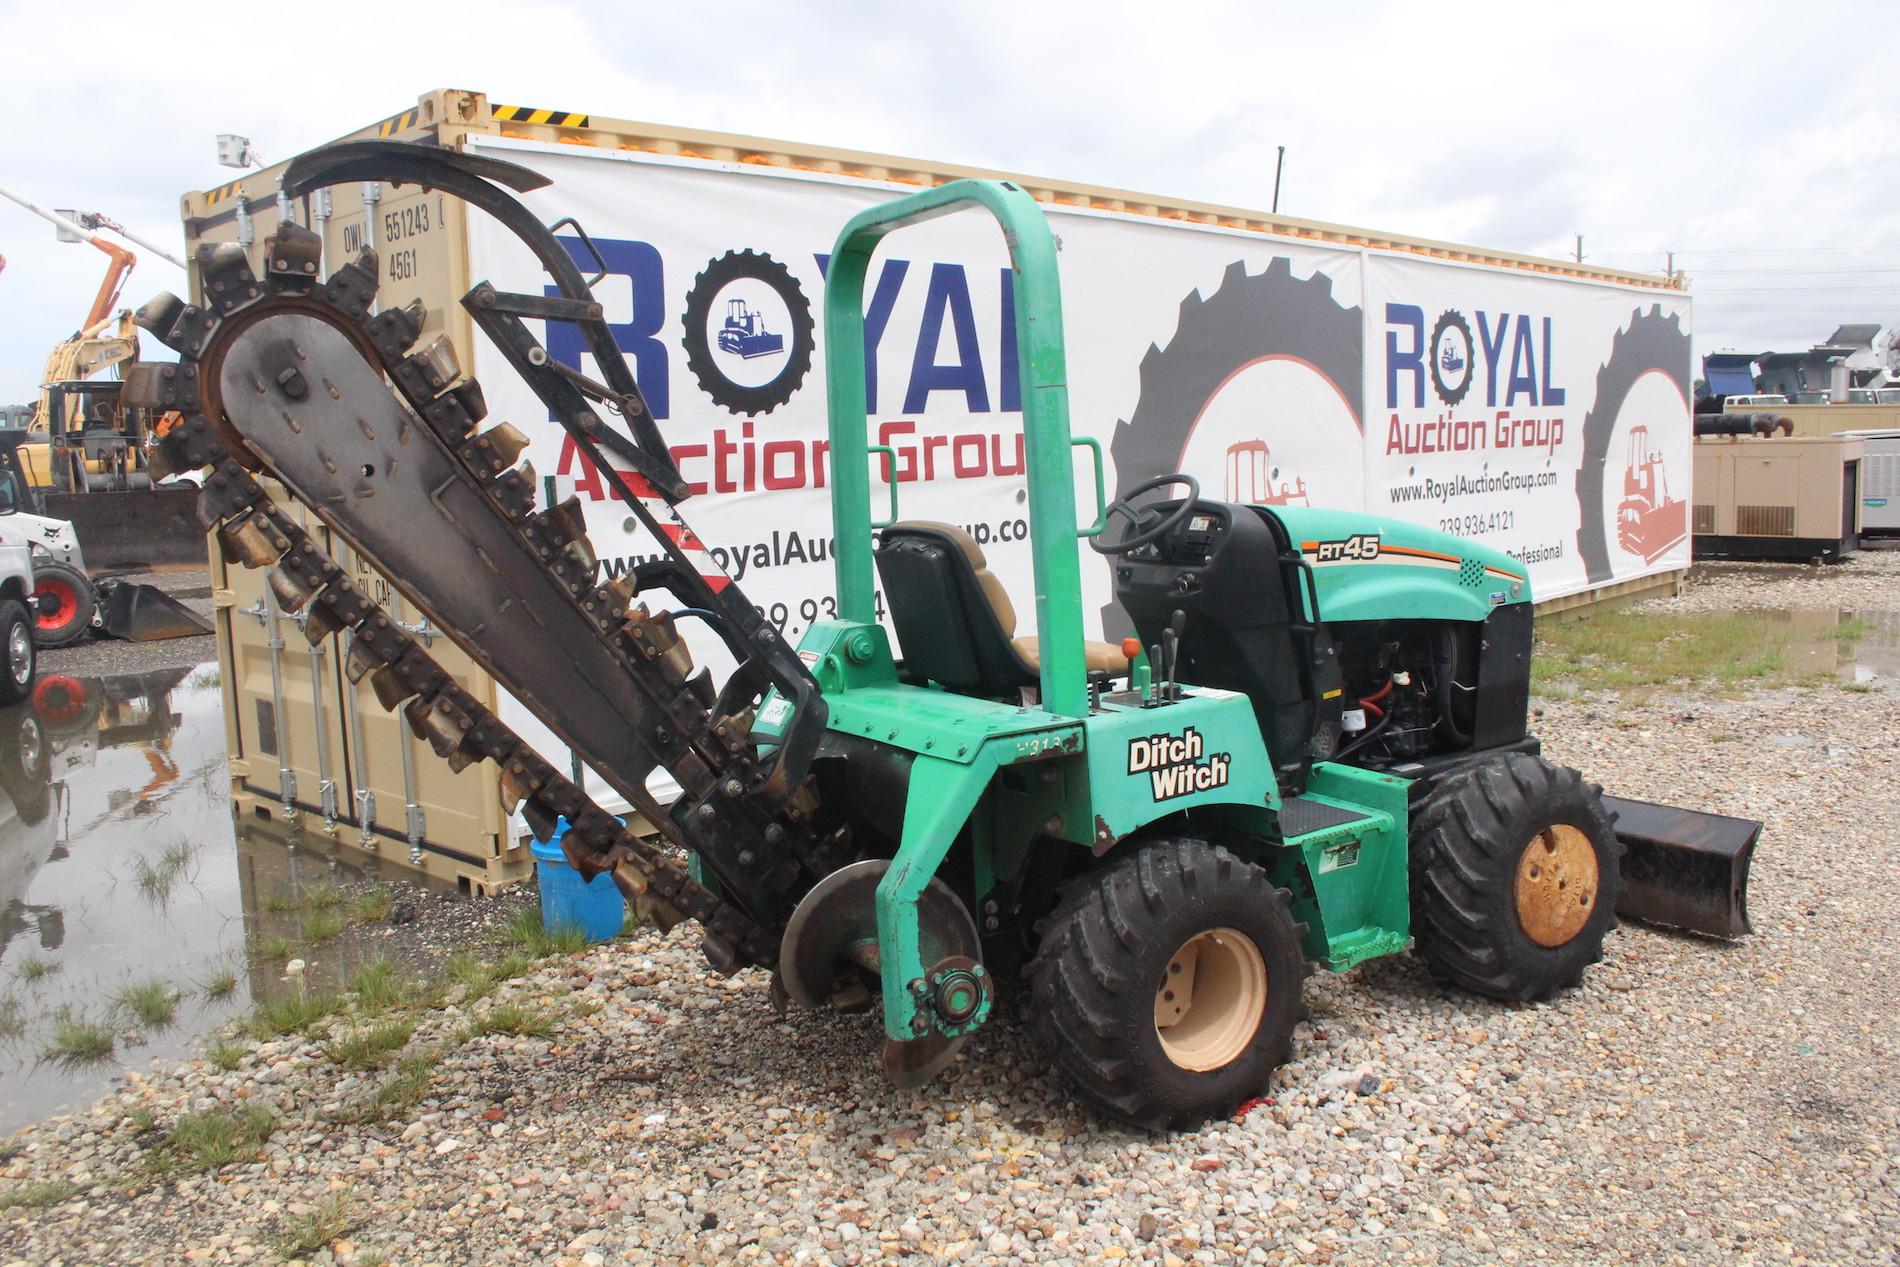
(1481, 900)
(72, 604)
(1105, 954)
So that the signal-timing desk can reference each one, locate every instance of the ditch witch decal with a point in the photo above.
(1174, 764)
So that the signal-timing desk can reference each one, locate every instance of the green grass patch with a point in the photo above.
(156, 876)
(282, 901)
(12, 1019)
(76, 1040)
(401, 1090)
(324, 898)
(221, 984)
(366, 1046)
(293, 1013)
(276, 946)
(480, 976)
(377, 988)
(36, 1196)
(37, 968)
(1626, 648)
(512, 1018)
(524, 930)
(152, 1003)
(329, 1218)
(321, 926)
(1851, 629)
(225, 1056)
(209, 1141)
(372, 906)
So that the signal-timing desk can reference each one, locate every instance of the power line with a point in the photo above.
(1794, 271)
(1891, 248)
(1796, 290)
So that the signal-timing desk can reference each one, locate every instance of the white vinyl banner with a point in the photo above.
(1547, 417)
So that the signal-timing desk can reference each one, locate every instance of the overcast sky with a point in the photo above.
(1756, 141)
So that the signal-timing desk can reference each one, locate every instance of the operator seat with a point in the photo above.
(955, 624)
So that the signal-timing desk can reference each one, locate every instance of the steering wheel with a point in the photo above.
(1142, 524)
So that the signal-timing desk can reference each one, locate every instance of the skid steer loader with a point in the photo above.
(1314, 754)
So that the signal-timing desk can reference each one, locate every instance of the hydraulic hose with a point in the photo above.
(1445, 659)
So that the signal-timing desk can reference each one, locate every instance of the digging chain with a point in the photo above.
(708, 752)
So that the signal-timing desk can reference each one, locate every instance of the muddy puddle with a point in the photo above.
(135, 918)
(1854, 646)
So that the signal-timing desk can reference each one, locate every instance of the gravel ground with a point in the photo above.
(1869, 580)
(1691, 1103)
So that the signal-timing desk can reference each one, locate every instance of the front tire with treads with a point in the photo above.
(1121, 934)
(1514, 867)
(64, 604)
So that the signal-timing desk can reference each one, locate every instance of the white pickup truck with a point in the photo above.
(18, 659)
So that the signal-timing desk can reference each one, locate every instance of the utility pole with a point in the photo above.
(1671, 271)
(1278, 165)
(1580, 248)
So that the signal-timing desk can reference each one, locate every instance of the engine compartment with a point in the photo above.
(1381, 693)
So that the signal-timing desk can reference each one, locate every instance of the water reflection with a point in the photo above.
(115, 870)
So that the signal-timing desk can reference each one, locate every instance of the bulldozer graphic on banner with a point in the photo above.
(744, 333)
(1251, 477)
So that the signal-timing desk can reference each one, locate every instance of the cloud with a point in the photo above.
(1646, 127)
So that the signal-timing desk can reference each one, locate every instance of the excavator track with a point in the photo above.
(305, 382)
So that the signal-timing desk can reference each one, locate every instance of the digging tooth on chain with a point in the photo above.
(361, 661)
(425, 373)
(293, 254)
(501, 446)
(251, 541)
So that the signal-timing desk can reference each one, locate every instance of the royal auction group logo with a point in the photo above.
(748, 332)
(1454, 357)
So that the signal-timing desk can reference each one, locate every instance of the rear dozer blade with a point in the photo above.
(1684, 868)
(145, 613)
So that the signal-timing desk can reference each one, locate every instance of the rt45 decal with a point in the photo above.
(1360, 548)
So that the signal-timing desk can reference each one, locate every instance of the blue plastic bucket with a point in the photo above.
(568, 901)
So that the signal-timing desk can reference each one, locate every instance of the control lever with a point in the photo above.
(1169, 648)
(1177, 630)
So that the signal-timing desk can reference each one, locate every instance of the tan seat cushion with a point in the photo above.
(1101, 657)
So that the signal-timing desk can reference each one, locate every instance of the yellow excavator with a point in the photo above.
(91, 443)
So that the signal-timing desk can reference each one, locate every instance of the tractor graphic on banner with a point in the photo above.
(1648, 520)
(1251, 477)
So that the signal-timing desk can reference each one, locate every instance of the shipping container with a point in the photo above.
(1538, 405)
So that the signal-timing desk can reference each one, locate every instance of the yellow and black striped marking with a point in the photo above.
(528, 114)
(395, 123)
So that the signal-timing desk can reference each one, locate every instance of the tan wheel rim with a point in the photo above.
(1556, 885)
(1210, 1000)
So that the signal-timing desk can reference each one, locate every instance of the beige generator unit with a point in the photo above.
(1879, 481)
(1518, 386)
(1786, 498)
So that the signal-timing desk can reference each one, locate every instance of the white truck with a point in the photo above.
(19, 656)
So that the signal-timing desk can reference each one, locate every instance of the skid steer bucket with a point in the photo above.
(1683, 867)
(145, 613)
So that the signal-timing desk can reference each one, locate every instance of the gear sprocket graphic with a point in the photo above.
(755, 266)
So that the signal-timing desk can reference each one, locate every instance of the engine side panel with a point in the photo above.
(1370, 568)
